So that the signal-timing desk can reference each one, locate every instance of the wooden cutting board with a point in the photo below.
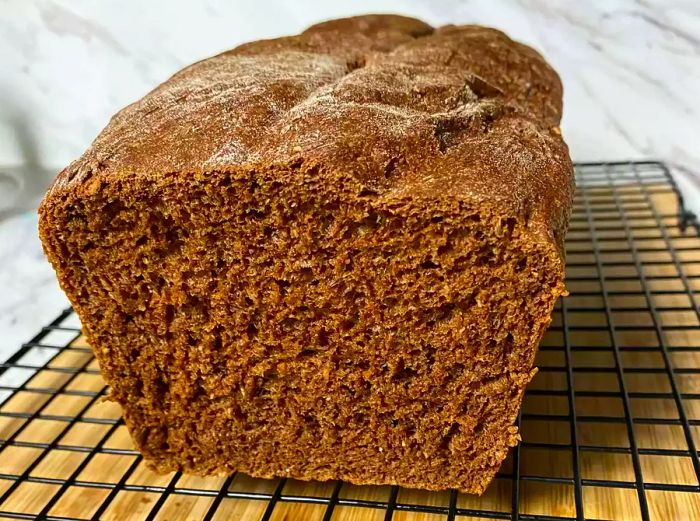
(633, 277)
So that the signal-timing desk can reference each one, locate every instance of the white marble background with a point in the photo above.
(631, 71)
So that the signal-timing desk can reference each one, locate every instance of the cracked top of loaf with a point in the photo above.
(410, 111)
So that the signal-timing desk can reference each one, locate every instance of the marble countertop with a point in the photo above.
(631, 71)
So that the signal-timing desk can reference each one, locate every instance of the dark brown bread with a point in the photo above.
(326, 256)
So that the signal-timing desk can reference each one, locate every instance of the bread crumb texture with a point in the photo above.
(324, 256)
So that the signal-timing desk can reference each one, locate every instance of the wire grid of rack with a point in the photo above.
(610, 425)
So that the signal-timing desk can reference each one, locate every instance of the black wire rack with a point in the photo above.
(610, 426)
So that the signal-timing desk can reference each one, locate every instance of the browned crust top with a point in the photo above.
(411, 111)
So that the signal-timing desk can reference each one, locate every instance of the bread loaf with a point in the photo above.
(325, 256)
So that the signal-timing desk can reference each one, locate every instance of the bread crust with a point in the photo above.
(460, 110)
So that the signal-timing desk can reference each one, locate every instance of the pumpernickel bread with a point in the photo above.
(325, 256)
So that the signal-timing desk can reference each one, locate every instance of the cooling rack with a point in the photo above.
(610, 425)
